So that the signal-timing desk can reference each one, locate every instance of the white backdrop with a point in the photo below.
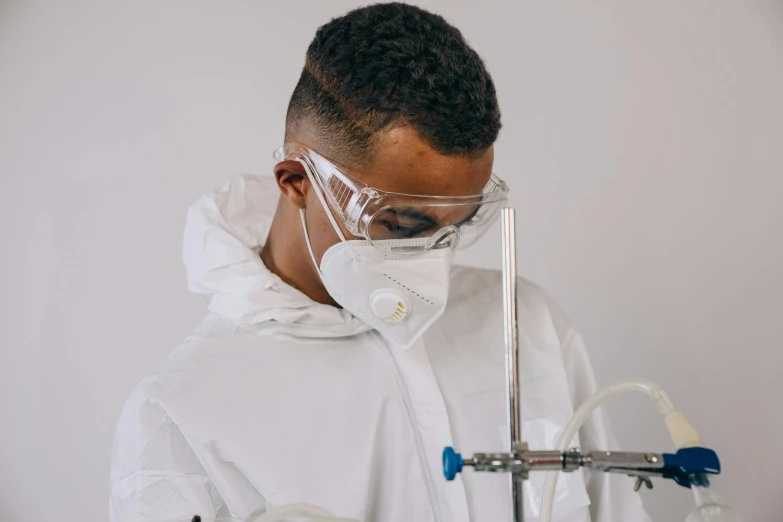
(643, 142)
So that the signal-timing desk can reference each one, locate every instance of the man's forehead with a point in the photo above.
(403, 162)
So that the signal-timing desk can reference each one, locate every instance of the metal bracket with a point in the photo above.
(685, 467)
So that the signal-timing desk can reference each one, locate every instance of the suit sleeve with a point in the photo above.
(612, 498)
(155, 475)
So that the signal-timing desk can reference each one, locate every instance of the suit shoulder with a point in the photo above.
(482, 283)
(480, 291)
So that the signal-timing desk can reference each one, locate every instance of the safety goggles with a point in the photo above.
(381, 216)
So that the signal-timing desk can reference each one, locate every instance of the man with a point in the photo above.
(342, 353)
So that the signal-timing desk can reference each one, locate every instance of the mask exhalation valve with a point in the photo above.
(390, 305)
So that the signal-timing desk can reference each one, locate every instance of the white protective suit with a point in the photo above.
(277, 399)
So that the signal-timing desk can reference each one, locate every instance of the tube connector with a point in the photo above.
(683, 434)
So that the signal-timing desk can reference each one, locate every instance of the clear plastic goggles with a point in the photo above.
(377, 215)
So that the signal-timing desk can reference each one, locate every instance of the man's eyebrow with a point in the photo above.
(413, 214)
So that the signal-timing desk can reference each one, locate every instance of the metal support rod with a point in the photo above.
(512, 355)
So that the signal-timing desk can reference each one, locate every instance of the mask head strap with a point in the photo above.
(307, 240)
(328, 211)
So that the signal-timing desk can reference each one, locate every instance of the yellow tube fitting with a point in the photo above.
(683, 434)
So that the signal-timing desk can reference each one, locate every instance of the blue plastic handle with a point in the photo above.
(452, 463)
(690, 462)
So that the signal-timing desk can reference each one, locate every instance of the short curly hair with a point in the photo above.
(389, 65)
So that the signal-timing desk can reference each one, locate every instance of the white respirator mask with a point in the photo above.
(398, 294)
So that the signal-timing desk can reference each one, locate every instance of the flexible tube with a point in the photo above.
(579, 417)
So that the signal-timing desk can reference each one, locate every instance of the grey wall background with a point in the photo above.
(643, 142)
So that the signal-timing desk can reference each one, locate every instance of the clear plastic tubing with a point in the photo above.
(710, 506)
(579, 417)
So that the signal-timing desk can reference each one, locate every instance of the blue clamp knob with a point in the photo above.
(452, 463)
(688, 463)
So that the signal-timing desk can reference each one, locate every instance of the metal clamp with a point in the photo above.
(687, 466)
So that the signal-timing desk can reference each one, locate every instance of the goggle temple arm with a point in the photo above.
(325, 205)
(447, 236)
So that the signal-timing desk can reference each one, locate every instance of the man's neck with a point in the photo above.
(286, 256)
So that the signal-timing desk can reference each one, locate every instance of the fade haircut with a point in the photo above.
(390, 65)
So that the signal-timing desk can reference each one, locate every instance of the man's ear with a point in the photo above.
(292, 181)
